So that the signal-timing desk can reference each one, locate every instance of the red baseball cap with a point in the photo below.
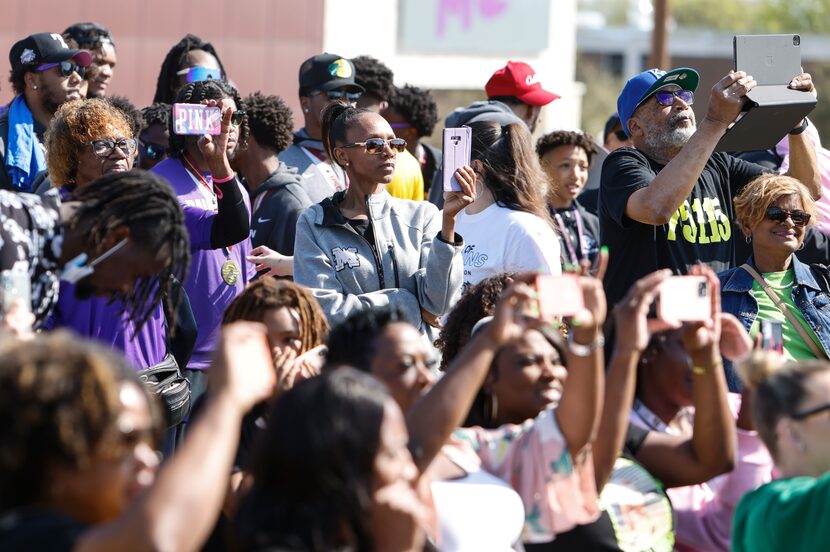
(518, 79)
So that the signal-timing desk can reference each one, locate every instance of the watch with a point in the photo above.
(581, 350)
(802, 128)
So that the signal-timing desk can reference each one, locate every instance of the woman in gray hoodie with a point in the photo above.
(362, 248)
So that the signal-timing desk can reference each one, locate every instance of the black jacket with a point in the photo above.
(277, 205)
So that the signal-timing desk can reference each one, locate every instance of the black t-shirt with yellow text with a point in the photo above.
(699, 231)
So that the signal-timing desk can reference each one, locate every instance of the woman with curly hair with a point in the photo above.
(87, 139)
(78, 468)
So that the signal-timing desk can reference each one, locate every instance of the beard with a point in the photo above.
(671, 136)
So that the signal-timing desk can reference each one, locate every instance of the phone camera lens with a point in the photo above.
(796, 40)
(701, 289)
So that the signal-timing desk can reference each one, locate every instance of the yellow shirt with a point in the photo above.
(407, 182)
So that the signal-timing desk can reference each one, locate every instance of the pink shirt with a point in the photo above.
(823, 159)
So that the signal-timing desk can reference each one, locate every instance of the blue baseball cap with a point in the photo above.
(640, 88)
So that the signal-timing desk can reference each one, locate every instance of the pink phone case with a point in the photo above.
(558, 296)
(196, 119)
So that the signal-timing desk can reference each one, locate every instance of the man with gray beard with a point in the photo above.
(666, 202)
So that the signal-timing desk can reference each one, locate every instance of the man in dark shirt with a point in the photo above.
(667, 202)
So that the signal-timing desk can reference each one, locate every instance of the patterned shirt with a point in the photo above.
(30, 233)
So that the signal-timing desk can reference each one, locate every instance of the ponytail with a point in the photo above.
(511, 170)
(335, 120)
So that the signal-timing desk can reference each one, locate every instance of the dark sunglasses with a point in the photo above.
(66, 68)
(199, 73)
(105, 148)
(238, 117)
(152, 151)
(377, 145)
(667, 98)
(335, 95)
(779, 215)
(811, 412)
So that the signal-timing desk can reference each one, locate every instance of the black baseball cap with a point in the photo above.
(326, 72)
(41, 48)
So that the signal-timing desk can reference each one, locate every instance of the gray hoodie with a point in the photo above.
(315, 181)
(410, 267)
(277, 204)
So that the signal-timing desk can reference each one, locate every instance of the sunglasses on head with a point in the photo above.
(335, 95)
(199, 73)
(777, 214)
(666, 97)
(377, 145)
(104, 148)
(66, 68)
(152, 151)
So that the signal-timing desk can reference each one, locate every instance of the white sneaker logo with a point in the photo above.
(261, 220)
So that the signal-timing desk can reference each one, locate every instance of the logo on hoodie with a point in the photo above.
(345, 258)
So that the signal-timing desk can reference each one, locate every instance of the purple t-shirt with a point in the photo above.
(97, 318)
(209, 294)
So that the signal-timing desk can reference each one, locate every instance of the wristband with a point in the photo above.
(802, 128)
(223, 180)
(585, 350)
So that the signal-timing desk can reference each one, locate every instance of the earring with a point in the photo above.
(346, 164)
(748, 239)
(492, 407)
(801, 246)
(34, 87)
(305, 110)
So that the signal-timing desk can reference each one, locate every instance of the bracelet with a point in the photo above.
(802, 128)
(699, 370)
(581, 350)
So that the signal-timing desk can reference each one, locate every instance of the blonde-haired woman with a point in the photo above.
(773, 212)
(791, 410)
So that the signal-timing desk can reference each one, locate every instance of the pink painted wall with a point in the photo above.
(261, 42)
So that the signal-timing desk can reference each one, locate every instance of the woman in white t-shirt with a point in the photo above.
(507, 228)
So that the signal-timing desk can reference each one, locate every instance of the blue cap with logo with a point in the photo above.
(640, 88)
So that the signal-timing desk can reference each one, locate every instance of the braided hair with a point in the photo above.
(194, 93)
(336, 119)
(148, 207)
(266, 294)
(167, 83)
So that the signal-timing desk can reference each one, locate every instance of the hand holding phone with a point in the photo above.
(196, 119)
(457, 151)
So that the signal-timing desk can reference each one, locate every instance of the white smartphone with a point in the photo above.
(457, 150)
(685, 299)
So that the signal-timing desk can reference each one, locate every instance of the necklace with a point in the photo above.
(782, 286)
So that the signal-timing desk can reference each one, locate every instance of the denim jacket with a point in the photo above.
(808, 295)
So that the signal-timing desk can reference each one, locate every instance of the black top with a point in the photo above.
(38, 531)
(699, 231)
(575, 221)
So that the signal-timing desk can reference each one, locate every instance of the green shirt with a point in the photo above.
(788, 514)
(782, 284)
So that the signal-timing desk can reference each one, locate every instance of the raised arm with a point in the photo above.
(803, 163)
(180, 509)
(437, 414)
(656, 203)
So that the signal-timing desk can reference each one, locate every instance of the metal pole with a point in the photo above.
(659, 49)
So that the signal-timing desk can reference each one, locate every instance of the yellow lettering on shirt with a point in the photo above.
(701, 221)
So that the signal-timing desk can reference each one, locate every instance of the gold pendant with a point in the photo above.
(230, 272)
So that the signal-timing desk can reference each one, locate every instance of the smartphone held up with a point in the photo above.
(684, 299)
(196, 119)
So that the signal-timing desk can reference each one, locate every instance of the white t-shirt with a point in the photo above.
(499, 240)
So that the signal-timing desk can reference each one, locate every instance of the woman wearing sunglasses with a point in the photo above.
(362, 248)
(773, 212)
(790, 405)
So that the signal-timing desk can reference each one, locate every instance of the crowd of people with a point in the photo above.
(262, 339)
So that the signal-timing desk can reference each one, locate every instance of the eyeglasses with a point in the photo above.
(335, 95)
(199, 73)
(377, 145)
(105, 148)
(811, 412)
(667, 97)
(66, 68)
(152, 151)
(238, 117)
(779, 215)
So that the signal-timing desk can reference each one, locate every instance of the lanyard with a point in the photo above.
(208, 191)
(325, 168)
(574, 259)
(649, 418)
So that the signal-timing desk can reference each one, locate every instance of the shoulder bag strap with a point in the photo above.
(784, 309)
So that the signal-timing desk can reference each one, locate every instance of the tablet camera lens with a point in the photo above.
(796, 40)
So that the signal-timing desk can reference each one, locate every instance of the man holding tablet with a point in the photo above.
(666, 202)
